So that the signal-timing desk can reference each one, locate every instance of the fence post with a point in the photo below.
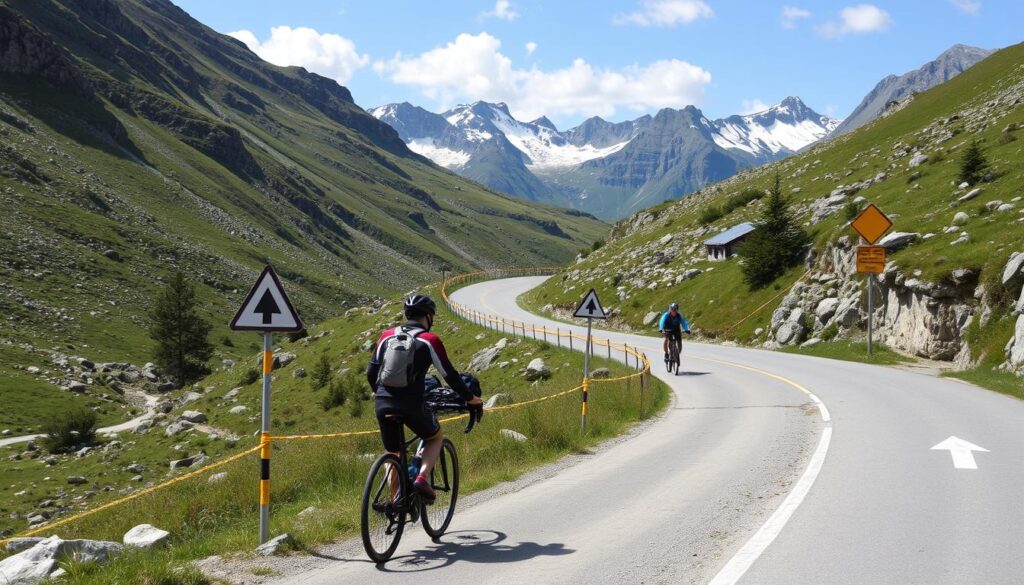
(570, 340)
(545, 334)
(608, 344)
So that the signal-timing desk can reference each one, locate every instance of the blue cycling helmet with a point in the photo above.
(673, 306)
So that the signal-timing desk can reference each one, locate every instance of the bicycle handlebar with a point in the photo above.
(475, 414)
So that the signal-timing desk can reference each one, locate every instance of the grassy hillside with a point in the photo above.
(209, 518)
(134, 141)
(657, 256)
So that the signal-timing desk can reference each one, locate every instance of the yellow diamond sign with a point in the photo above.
(871, 224)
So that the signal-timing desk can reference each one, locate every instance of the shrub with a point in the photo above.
(851, 211)
(973, 164)
(249, 376)
(597, 245)
(226, 341)
(322, 374)
(741, 199)
(710, 214)
(77, 427)
(355, 407)
(1006, 138)
(335, 395)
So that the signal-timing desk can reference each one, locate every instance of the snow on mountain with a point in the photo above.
(783, 128)
(545, 146)
(446, 157)
(656, 156)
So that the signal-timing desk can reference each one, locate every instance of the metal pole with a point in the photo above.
(586, 378)
(871, 285)
(268, 368)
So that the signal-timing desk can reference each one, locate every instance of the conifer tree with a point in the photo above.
(181, 335)
(973, 164)
(775, 244)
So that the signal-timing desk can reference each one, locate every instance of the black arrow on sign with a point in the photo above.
(268, 306)
(591, 307)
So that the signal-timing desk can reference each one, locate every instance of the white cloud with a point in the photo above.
(971, 7)
(502, 11)
(791, 15)
(473, 68)
(666, 13)
(859, 19)
(753, 106)
(328, 54)
(531, 47)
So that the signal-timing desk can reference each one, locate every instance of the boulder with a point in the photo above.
(275, 545)
(16, 545)
(190, 397)
(238, 409)
(499, 399)
(77, 480)
(811, 342)
(969, 195)
(1013, 272)
(600, 373)
(178, 427)
(193, 461)
(826, 309)
(146, 536)
(77, 387)
(299, 373)
(233, 393)
(193, 416)
(1016, 351)
(917, 160)
(515, 436)
(792, 331)
(310, 511)
(898, 240)
(650, 317)
(217, 477)
(960, 218)
(483, 359)
(40, 562)
(537, 370)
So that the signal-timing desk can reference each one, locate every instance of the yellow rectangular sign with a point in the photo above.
(871, 259)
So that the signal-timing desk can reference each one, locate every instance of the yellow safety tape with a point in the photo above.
(264, 446)
(138, 494)
(763, 305)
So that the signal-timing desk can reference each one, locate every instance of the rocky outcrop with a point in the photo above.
(923, 318)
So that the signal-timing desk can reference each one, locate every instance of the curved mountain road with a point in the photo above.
(746, 479)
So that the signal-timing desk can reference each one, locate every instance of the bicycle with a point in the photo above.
(675, 346)
(389, 501)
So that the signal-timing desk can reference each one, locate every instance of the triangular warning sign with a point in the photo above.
(266, 307)
(590, 307)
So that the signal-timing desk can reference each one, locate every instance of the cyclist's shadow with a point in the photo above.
(472, 546)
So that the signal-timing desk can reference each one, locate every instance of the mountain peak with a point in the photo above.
(543, 121)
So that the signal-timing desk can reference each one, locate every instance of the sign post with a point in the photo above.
(590, 308)
(871, 224)
(266, 309)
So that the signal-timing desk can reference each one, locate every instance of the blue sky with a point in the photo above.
(571, 59)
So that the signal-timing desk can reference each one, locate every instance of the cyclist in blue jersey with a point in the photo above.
(672, 325)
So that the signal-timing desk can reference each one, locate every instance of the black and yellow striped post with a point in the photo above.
(268, 368)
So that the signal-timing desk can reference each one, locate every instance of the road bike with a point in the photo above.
(389, 500)
(675, 346)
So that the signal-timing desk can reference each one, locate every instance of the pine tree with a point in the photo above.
(775, 244)
(973, 164)
(182, 347)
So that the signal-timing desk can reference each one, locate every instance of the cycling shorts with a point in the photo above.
(415, 415)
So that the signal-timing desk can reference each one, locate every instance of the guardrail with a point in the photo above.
(640, 363)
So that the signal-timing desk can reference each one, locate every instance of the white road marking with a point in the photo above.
(961, 450)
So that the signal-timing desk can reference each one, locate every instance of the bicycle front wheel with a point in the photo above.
(381, 518)
(444, 478)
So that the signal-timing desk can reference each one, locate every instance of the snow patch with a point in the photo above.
(446, 157)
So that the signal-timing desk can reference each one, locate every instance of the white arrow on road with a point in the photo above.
(961, 450)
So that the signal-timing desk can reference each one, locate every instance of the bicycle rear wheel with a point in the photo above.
(444, 477)
(381, 518)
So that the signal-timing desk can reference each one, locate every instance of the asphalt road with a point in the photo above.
(748, 478)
